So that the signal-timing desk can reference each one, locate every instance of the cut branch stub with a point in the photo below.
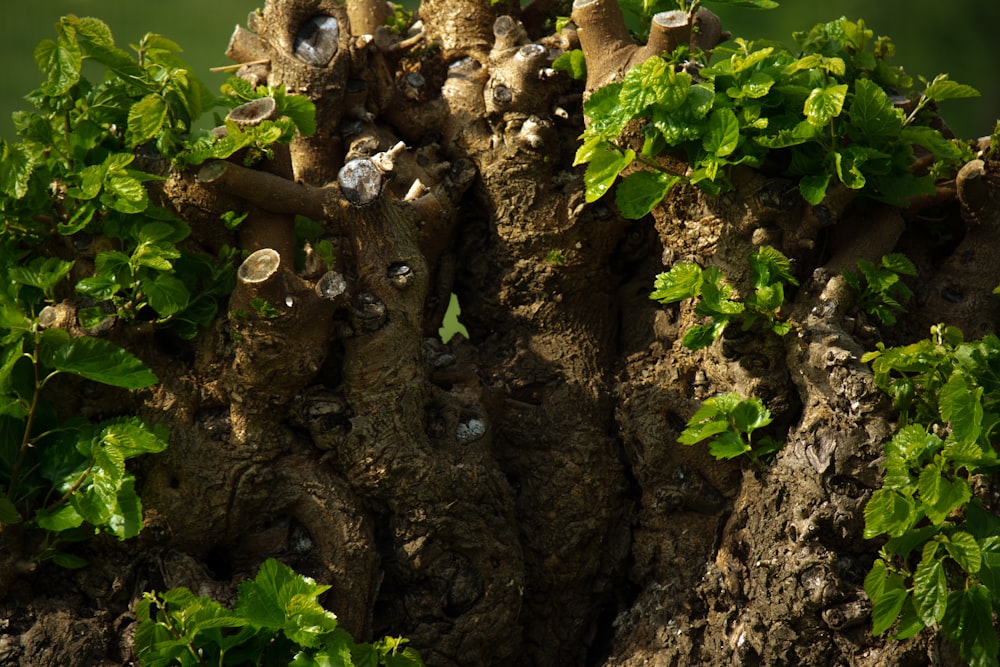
(360, 182)
(254, 112)
(609, 49)
(317, 41)
(259, 267)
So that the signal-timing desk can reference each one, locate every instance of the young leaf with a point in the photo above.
(825, 104)
(942, 88)
(102, 361)
(873, 116)
(683, 281)
(961, 404)
(603, 169)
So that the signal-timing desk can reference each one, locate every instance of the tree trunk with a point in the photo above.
(518, 497)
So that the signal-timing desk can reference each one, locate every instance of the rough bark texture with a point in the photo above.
(519, 497)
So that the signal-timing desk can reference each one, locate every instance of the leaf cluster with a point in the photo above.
(277, 620)
(770, 272)
(832, 110)
(645, 10)
(941, 562)
(59, 473)
(730, 420)
(881, 291)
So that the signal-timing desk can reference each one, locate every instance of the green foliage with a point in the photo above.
(399, 20)
(60, 473)
(770, 272)
(880, 289)
(941, 562)
(277, 620)
(730, 420)
(824, 112)
(295, 113)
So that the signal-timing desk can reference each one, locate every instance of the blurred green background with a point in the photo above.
(931, 37)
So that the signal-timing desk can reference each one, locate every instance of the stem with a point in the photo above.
(26, 438)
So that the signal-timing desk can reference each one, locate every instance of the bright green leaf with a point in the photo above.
(639, 193)
(683, 281)
(64, 518)
(964, 550)
(960, 402)
(887, 593)
(723, 133)
(603, 170)
(888, 511)
(942, 88)
(825, 104)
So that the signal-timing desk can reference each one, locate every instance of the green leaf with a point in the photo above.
(753, 4)
(960, 402)
(102, 361)
(930, 588)
(654, 82)
(266, 600)
(131, 437)
(64, 518)
(964, 550)
(888, 511)
(145, 119)
(750, 415)
(723, 133)
(603, 170)
(768, 265)
(813, 187)
(728, 445)
(607, 115)
(573, 63)
(899, 263)
(17, 163)
(969, 620)
(703, 335)
(125, 521)
(60, 62)
(887, 592)
(942, 88)
(125, 194)
(825, 104)
(683, 281)
(167, 295)
(8, 512)
(873, 116)
(640, 192)
(69, 561)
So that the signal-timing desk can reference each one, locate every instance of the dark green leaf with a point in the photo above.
(167, 295)
(873, 116)
(930, 589)
(105, 362)
(703, 335)
(969, 620)
(68, 561)
(8, 512)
